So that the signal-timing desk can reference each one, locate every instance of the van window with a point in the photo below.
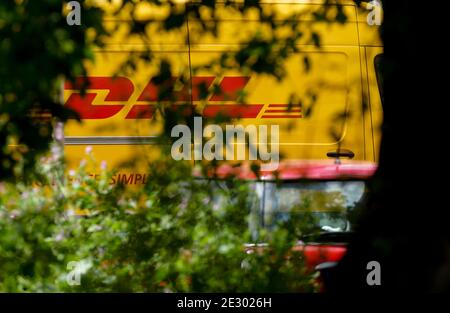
(325, 205)
(378, 65)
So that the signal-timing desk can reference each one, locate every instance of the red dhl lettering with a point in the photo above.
(129, 179)
(120, 178)
(121, 89)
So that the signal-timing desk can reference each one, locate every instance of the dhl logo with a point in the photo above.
(121, 89)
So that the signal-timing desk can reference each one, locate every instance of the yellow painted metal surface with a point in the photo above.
(341, 79)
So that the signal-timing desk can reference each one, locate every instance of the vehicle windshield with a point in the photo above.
(323, 205)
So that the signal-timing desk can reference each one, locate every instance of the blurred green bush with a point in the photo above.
(170, 236)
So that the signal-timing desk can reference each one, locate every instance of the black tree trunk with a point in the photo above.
(404, 225)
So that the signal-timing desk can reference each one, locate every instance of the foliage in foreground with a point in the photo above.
(169, 236)
(39, 51)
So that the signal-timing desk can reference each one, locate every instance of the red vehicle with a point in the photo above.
(325, 190)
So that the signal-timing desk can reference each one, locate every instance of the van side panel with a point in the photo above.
(317, 110)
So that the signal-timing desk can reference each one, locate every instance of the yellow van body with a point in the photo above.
(337, 102)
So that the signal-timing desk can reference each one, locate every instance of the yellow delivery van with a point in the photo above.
(327, 105)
